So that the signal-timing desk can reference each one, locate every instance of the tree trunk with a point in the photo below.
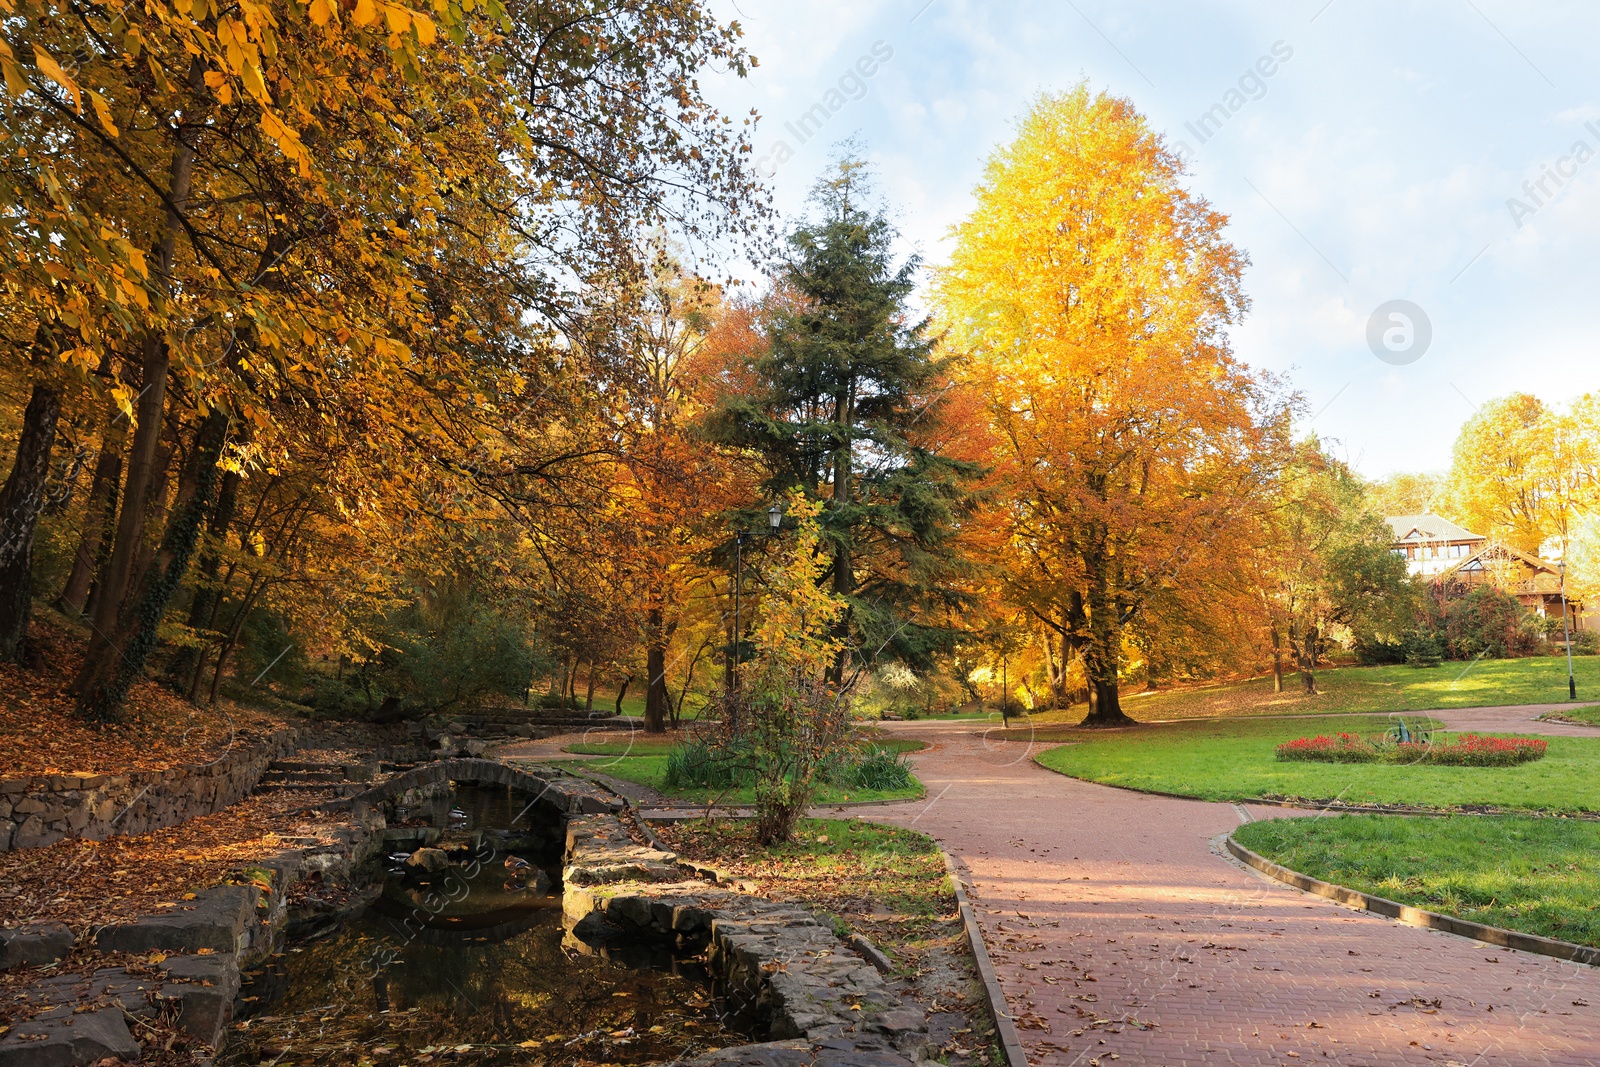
(1055, 669)
(100, 517)
(1306, 654)
(655, 669)
(622, 690)
(103, 683)
(1102, 652)
(20, 501)
(189, 663)
(1277, 659)
(588, 695)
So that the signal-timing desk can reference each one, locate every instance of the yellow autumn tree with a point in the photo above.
(1091, 294)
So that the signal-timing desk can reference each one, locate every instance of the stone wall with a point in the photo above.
(44, 809)
(817, 998)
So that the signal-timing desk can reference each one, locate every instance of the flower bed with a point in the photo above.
(1465, 750)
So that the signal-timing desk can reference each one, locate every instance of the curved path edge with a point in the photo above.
(1005, 1027)
(1413, 916)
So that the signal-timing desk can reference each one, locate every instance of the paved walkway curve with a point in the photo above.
(1521, 719)
(1117, 930)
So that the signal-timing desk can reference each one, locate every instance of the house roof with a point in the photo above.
(1428, 527)
(1537, 575)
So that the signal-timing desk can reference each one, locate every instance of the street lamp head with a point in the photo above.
(775, 516)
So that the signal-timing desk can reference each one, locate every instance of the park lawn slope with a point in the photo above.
(1234, 759)
(1534, 875)
(1353, 690)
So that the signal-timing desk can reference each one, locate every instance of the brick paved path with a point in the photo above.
(1523, 719)
(1118, 932)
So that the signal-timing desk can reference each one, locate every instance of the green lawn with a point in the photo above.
(1346, 690)
(1590, 715)
(651, 771)
(657, 745)
(1534, 875)
(1233, 759)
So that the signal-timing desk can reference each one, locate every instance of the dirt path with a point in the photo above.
(1117, 930)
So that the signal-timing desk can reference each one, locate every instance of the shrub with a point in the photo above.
(1586, 642)
(1345, 748)
(1482, 621)
(875, 768)
(695, 765)
(1422, 649)
(1471, 750)
(1467, 750)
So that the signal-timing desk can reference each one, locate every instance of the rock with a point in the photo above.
(540, 883)
(204, 987)
(457, 727)
(431, 860)
(68, 1040)
(871, 953)
(86, 1023)
(474, 747)
(835, 1053)
(521, 730)
(218, 919)
(44, 943)
(30, 806)
(30, 834)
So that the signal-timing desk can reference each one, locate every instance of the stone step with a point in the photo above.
(343, 789)
(277, 775)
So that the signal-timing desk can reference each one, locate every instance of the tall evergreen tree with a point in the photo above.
(844, 404)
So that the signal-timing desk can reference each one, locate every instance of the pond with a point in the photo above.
(473, 964)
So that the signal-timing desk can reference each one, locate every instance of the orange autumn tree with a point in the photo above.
(1091, 294)
(260, 234)
(651, 345)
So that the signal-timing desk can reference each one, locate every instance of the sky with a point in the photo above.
(1384, 178)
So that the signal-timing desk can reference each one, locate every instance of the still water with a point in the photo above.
(470, 966)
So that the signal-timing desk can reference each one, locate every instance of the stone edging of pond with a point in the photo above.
(208, 938)
(823, 1003)
(1411, 916)
(1005, 1026)
(85, 1017)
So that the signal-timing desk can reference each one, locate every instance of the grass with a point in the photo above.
(1528, 874)
(1353, 690)
(1589, 716)
(651, 770)
(1233, 759)
(660, 745)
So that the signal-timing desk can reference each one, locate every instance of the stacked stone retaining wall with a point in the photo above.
(43, 809)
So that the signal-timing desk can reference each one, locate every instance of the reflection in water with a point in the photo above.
(472, 956)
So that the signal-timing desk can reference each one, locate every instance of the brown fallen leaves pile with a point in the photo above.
(40, 734)
(89, 883)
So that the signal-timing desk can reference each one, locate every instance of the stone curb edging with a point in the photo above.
(1005, 1028)
(1432, 920)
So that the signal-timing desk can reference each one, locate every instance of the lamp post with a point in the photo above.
(1005, 690)
(1566, 626)
(774, 520)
